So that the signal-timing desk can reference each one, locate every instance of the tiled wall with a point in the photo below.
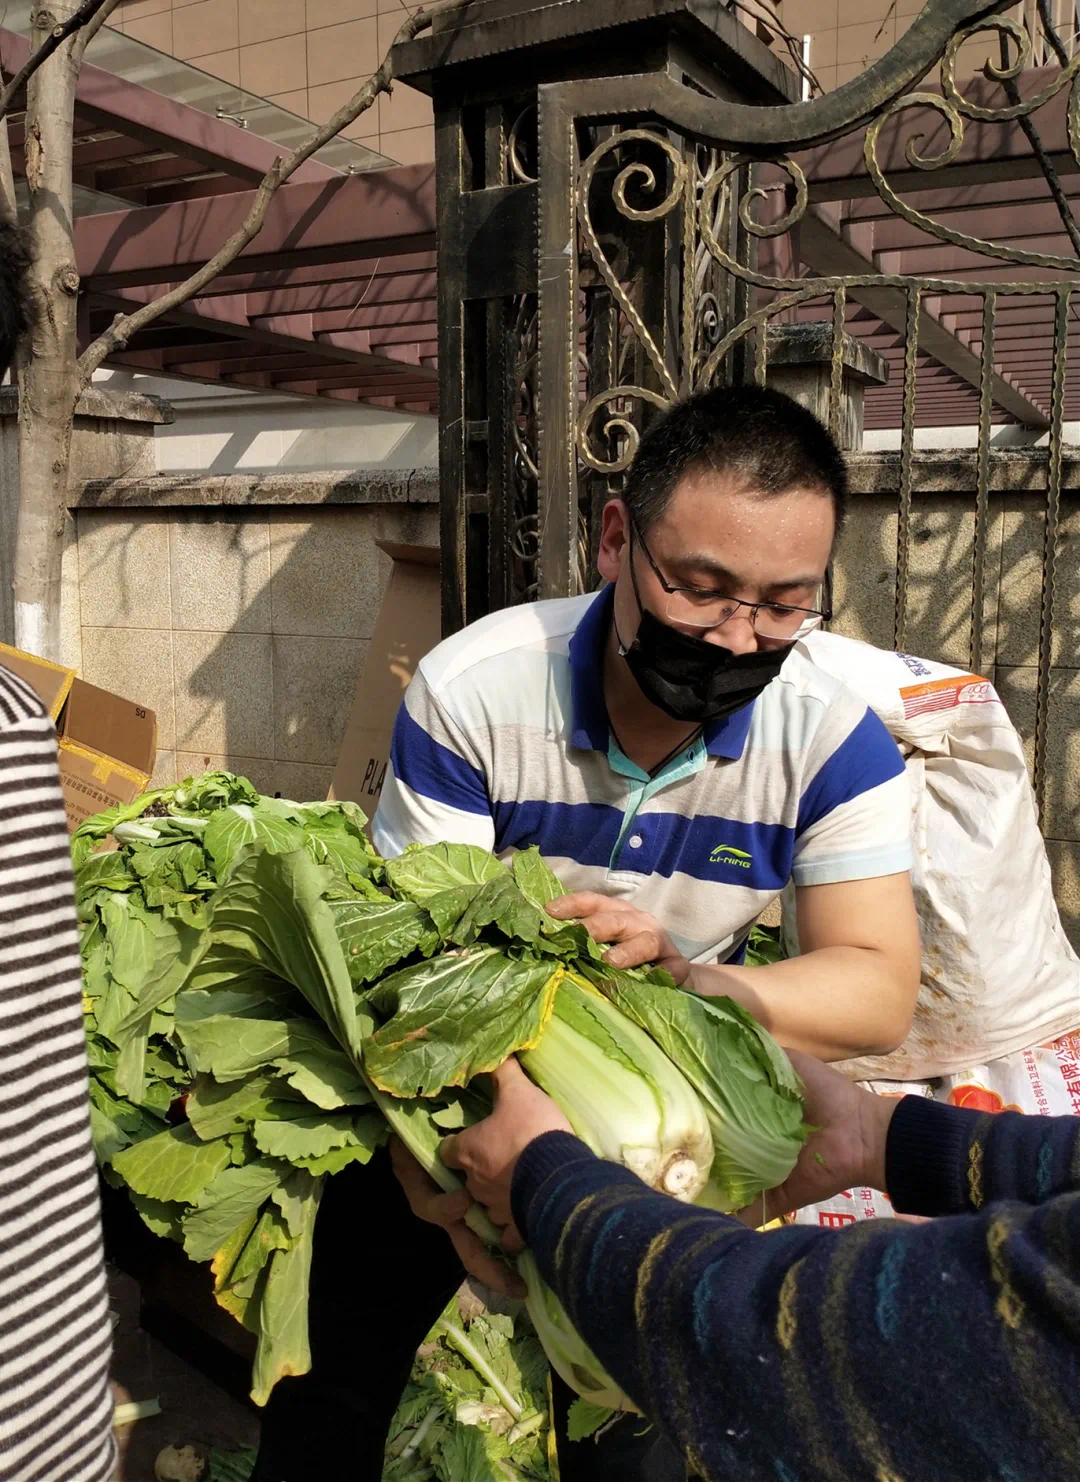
(939, 627)
(850, 34)
(309, 56)
(244, 631)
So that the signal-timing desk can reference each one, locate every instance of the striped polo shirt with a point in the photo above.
(503, 741)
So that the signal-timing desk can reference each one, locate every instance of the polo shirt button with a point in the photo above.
(636, 841)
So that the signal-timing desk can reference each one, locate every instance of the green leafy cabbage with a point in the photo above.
(266, 999)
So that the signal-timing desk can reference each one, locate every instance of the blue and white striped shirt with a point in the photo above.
(503, 741)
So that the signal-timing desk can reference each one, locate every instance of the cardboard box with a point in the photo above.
(408, 627)
(108, 745)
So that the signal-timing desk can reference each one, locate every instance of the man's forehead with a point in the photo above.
(716, 508)
(732, 485)
(736, 538)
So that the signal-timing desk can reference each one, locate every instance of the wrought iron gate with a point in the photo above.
(614, 239)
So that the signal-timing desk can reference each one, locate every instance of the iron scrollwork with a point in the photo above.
(692, 173)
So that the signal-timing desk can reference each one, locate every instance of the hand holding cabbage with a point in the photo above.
(487, 1153)
(449, 1211)
(634, 937)
(845, 1149)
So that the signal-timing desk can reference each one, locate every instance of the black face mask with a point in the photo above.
(692, 680)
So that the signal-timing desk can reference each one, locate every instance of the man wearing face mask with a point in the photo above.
(677, 762)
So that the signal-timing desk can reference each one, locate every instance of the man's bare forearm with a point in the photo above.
(835, 1003)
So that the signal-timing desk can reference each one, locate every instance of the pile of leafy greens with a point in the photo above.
(476, 1407)
(266, 997)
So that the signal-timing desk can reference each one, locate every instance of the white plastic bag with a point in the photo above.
(998, 973)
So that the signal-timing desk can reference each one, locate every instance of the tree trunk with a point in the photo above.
(48, 382)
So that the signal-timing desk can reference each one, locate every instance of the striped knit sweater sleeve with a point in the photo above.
(885, 1352)
(55, 1398)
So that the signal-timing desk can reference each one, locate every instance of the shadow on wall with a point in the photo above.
(225, 439)
(227, 431)
(244, 630)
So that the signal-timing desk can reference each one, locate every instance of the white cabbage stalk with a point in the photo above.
(564, 1346)
(567, 1351)
(621, 1093)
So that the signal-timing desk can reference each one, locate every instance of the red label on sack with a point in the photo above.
(946, 694)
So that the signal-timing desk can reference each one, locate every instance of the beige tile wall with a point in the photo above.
(850, 34)
(307, 57)
(939, 627)
(311, 57)
(244, 631)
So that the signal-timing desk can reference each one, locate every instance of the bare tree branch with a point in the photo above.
(766, 17)
(1050, 32)
(125, 326)
(94, 25)
(86, 15)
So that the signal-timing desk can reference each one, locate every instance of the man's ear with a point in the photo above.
(614, 539)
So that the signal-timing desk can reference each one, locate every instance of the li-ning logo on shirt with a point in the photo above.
(725, 854)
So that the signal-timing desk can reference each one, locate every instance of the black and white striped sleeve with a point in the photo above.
(55, 1397)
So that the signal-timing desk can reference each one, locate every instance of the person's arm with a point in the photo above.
(435, 790)
(942, 1160)
(852, 989)
(886, 1350)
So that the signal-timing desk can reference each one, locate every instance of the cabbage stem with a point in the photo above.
(458, 1338)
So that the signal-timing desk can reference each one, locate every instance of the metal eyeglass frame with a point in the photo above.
(753, 607)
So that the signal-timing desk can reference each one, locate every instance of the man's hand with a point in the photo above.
(488, 1152)
(429, 1203)
(639, 937)
(846, 1151)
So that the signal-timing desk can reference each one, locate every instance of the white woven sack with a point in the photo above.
(998, 973)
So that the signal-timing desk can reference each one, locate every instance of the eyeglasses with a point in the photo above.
(695, 607)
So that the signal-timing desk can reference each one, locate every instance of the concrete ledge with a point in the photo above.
(113, 406)
(238, 490)
(1016, 471)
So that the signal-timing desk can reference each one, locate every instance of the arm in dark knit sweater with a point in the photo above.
(886, 1352)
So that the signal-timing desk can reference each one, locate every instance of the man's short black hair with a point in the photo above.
(767, 440)
(14, 291)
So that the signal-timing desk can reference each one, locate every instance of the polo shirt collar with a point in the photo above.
(589, 722)
(727, 737)
(589, 730)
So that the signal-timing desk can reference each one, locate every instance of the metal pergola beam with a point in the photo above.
(827, 253)
(345, 219)
(359, 292)
(1015, 224)
(118, 103)
(298, 277)
(837, 171)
